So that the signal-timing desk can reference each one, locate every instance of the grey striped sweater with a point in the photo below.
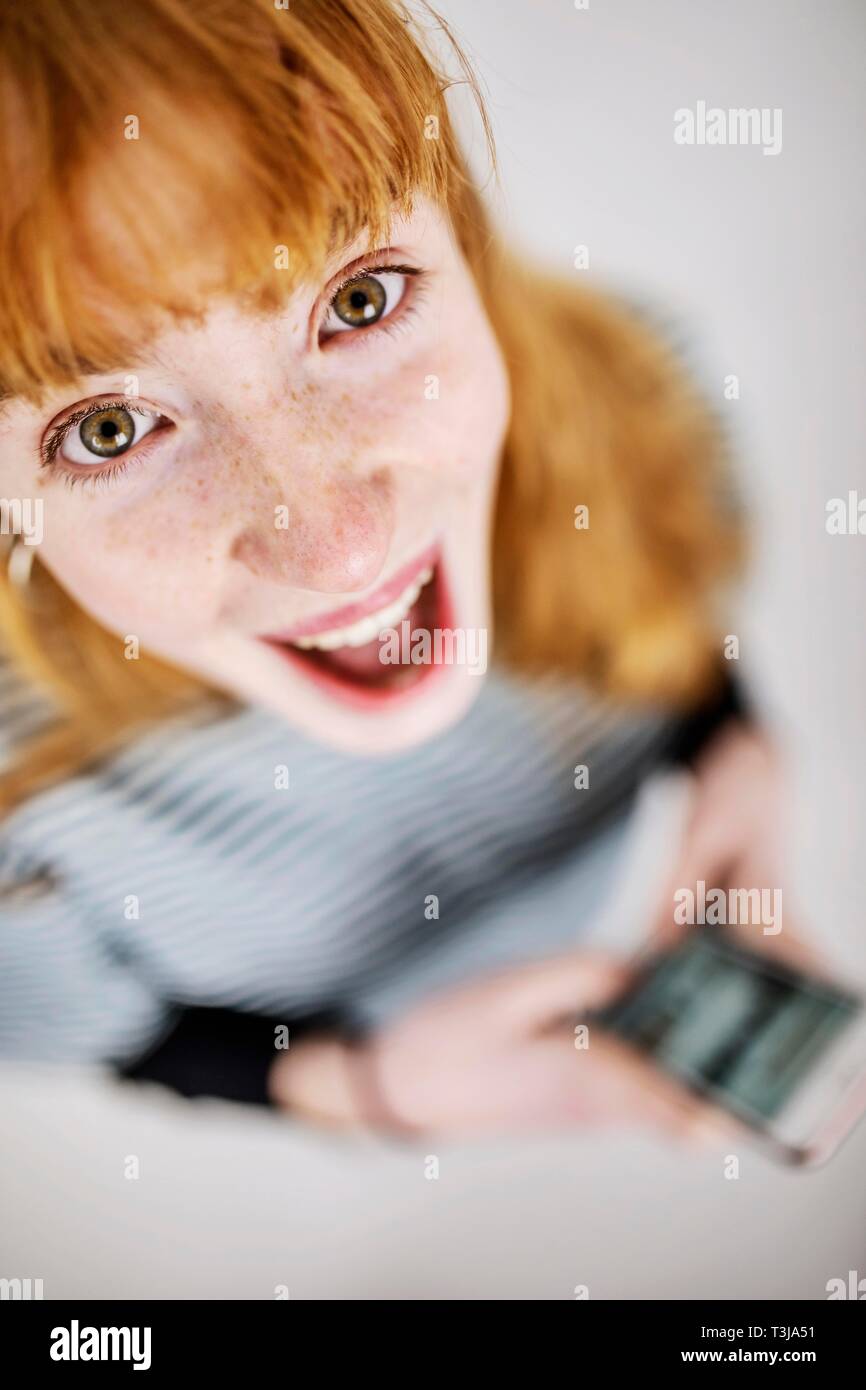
(184, 872)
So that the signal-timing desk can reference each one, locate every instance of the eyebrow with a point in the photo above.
(82, 368)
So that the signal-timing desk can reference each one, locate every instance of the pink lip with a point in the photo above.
(373, 699)
(354, 612)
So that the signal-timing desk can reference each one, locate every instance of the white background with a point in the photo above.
(761, 258)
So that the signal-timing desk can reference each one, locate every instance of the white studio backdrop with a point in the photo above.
(759, 258)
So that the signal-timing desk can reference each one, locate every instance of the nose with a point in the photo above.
(331, 535)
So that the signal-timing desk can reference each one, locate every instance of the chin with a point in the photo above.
(390, 671)
(370, 734)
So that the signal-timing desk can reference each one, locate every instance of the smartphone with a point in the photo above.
(782, 1051)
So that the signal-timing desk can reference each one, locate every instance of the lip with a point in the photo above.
(370, 700)
(354, 612)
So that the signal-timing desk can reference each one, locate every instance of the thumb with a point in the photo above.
(545, 991)
(709, 846)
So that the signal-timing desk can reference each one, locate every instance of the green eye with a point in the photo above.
(360, 303)
(108, 432)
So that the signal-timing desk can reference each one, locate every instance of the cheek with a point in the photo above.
(464, 427)
(470, 398)
(135, 580)
(475, 400)
(446, 408)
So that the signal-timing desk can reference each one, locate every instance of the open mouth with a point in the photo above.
(348, 652)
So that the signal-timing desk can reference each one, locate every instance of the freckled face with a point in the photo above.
(281, 489)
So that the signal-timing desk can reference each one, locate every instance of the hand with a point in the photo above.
(734, 839)
(499, 1055)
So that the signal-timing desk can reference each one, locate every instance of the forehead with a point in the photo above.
(219, 328)
(213, 143)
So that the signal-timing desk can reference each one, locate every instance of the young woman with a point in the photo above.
(276, 406)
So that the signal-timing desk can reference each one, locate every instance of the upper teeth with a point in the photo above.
(368, 629)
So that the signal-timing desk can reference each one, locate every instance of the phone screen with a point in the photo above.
(728, 1020)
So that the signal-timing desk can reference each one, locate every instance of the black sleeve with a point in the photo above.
(217, 1052)
(695, 730)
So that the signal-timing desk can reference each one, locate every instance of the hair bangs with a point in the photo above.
(135, 194)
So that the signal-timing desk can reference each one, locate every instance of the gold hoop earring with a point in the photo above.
(19, 563)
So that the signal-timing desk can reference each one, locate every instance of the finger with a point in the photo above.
(708, 847)
(722, 821)
(784, 948)
(542, 993)
(639, 1090)
(779, 938)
